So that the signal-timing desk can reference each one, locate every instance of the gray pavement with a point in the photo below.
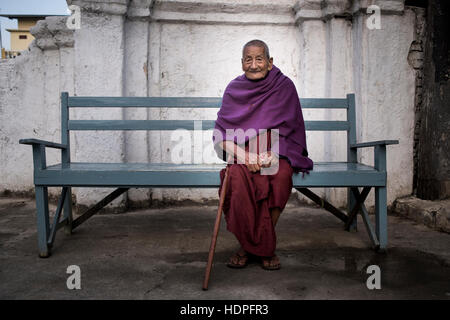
(162, 253)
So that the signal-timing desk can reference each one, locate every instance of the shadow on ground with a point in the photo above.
(162, 253)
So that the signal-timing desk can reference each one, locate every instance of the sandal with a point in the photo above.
(271, 263)
(238, 261)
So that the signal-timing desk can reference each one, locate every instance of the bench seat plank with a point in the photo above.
(325, 174)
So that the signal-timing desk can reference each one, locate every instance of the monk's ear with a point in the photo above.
(270, 64)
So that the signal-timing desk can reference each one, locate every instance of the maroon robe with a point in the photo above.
(248, 201)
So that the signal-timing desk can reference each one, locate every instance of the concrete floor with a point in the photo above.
(162, 253)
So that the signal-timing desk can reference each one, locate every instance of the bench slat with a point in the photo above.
(201, 179)
(186, 102)
(326, 125)
(145, 102)
(327, 103)
(183, 124)
(340, 174)
(144, 166)
(139, 124)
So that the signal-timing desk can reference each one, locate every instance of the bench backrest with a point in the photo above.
(68, 102)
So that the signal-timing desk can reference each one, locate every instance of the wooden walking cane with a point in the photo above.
(216, 230)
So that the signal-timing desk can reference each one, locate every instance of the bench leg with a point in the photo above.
(43, 228)
(351, 202)
(381, 216)
(68, 212)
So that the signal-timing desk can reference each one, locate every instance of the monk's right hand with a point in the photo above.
(252, 162)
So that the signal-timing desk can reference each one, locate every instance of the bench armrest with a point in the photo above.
(372, 144)
(42, 142)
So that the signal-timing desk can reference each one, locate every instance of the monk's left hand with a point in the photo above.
(252, 162)
(267, 159)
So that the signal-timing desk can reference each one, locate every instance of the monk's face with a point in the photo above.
(255, 64)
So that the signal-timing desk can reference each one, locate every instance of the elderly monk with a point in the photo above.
(260, 101)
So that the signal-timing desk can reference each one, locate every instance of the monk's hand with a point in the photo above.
(252, 162)
(268, 159)
(265, 159)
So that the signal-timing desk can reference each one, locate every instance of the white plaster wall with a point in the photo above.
(338, 82)
(186, 48)
(200, 60)
(326, 71)
(136, 144)
(98, 72)
(386, 100)
(313, 71)
(23, 113)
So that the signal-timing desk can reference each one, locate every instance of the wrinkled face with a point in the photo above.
(255, 63)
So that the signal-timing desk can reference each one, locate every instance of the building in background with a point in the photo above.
(21, 37)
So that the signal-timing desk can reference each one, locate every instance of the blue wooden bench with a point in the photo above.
(122, 176)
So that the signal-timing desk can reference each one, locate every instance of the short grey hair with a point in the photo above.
(257, 43)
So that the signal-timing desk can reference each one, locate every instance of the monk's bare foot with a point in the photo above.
(271, 263)
(238, 260)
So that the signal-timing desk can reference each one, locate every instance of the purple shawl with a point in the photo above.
(270, 103)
